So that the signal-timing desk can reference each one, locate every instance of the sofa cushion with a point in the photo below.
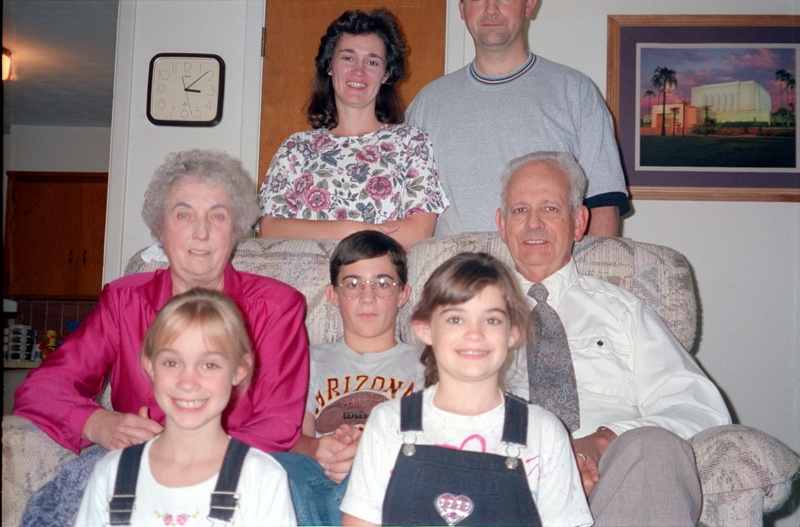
(658, 275)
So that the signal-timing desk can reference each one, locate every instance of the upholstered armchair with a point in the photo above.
(744, 473)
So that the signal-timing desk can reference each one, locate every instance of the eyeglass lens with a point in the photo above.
(382, 287)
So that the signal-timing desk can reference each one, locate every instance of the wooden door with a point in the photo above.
(52, 219)
(39, 242)
(92, 238)
(293, 32)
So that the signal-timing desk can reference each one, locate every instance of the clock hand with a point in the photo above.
(186, 88)
(183, 79)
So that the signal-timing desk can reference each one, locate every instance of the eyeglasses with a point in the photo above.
(382, 287)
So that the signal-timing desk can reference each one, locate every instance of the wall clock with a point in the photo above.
(185, 89)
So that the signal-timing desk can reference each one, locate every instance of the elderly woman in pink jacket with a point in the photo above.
(198, 205)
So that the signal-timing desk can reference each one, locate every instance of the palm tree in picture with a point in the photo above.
(685, 103)
(782, 76)
(664, 79)
(649, 94)
(790, 85)
(675, 110)
(706, 108)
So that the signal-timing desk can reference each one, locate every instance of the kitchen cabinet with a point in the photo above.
(54, 235)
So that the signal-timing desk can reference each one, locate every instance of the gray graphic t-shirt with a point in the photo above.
(344, 386)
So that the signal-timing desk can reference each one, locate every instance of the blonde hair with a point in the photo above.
(458, 280)
(217, 317)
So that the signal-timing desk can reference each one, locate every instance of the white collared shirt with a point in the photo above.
(630, 370)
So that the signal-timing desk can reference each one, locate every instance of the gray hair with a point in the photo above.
(563, 161)
(212, 168)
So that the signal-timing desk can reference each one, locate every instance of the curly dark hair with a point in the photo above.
(381, 22)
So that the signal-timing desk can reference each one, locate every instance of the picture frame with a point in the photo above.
(719, 148)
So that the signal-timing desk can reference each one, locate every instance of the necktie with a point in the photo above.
(550, 371)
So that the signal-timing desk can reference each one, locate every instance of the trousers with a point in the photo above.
(648, 477)
(316, 497)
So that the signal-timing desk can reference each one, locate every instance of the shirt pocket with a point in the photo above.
(602, 365)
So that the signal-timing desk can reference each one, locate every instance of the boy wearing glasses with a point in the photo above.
(348, 378)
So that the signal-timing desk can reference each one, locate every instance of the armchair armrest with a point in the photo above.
(744, 473)
(30, 459)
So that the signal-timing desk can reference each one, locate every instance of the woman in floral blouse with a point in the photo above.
(359, 166)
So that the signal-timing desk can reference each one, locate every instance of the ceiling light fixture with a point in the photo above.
(6, 64)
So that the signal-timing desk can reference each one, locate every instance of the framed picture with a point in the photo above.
(704, 105)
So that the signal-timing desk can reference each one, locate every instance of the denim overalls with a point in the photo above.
(223, 500)
(433, 485)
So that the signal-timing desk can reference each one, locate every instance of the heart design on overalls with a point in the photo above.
(453, 508)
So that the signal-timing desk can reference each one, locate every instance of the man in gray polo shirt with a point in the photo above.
(509, 102)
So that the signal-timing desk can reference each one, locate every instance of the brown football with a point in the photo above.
(352, 409)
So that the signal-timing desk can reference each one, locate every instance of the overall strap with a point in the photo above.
(515, 427)
(411, 413)
(224, 498)
(120, 506)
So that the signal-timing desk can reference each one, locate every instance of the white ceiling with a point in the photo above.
(62, 70)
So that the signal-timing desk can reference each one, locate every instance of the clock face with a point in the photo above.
(185, 89)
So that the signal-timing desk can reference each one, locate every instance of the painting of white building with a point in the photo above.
(737, 101)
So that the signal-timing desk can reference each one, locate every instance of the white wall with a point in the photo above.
(746, 256)
(55, 149)
(228, 28)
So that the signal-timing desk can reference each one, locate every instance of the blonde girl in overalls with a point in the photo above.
(198, 354)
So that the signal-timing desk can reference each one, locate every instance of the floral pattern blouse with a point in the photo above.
(385, 175)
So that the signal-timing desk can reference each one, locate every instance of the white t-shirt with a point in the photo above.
(549, 463)
(264, 498)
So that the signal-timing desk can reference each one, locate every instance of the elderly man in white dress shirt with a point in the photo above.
(641, 395)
